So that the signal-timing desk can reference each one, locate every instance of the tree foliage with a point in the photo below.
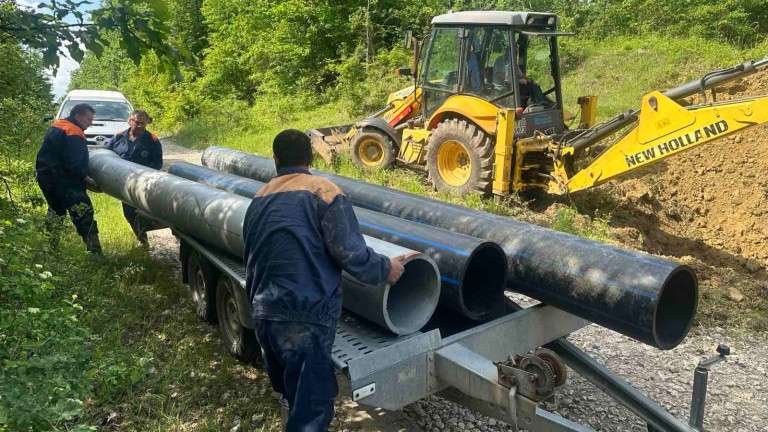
(344, 49)
(25, 97)
(60, 24)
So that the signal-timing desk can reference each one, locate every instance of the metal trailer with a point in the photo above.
(483, 366)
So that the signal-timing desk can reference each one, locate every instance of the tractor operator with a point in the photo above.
(138, 145)
(61, 168)
(300, 231)
(529, 89)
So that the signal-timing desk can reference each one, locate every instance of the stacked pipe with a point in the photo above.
(648, 298)
(216, 218)
(473, 271)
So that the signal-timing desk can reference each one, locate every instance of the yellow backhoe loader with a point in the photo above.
(486, 113)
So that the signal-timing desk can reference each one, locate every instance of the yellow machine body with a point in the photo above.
(477, 149)
(664, 128)
(414, 145)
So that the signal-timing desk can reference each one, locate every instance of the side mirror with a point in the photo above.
(403, 71)
(48, 117)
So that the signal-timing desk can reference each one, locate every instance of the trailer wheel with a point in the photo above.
(239, 340)
(460, 158)
(202, 286)
(372, 150)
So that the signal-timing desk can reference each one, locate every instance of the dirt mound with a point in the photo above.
(707, 207)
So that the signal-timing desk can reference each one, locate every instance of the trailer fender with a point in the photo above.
(382, 125)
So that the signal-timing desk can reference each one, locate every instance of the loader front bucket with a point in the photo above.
(329, 141)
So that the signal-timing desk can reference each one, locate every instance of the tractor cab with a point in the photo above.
(509, 59)
(484, 110)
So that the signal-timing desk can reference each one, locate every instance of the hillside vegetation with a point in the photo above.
(113, 343)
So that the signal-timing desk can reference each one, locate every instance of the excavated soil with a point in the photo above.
(707, 207)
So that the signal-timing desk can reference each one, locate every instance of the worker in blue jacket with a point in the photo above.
(138, 145)
(300, 232)
(62, 173)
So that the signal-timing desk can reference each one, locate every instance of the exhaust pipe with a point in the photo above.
(216, 218)
(473, 271)
(648, 298)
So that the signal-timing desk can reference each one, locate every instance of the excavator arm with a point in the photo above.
(663, 129)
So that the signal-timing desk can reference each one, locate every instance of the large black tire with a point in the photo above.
(460, 158)
(240, 341)
(202, 286)
(372, 149)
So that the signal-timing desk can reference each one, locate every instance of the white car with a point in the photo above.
(112, 110)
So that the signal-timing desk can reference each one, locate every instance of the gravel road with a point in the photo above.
(737, 397)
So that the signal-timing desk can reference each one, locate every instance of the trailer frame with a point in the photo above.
(388, 371)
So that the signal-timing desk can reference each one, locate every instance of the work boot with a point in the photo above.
(284, 411)
(92, 243)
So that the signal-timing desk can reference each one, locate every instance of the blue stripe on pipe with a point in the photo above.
(449, 280)
(414, 238)
(389, 231)
(213, 179)
(581, 240)
(520, 253)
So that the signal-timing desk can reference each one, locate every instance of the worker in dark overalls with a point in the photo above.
(138, 145)
(62, 174)
(300, 232)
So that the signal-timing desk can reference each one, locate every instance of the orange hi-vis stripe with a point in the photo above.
(69, 128)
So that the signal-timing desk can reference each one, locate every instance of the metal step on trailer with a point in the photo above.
(355, 337)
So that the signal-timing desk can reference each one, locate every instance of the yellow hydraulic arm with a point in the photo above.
(663, 129)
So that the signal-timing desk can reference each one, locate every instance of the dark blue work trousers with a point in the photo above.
(62, 197)
(297, 357)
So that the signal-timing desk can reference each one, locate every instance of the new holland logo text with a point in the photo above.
(676, 144)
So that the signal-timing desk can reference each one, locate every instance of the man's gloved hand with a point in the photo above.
(396, 269)
(91, 185)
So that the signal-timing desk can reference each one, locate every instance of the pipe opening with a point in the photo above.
(411, 301)
(677, 305)
(483, 282)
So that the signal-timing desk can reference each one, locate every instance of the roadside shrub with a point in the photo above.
(46, 355)
(362, 88)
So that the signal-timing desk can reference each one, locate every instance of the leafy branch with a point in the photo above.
(46, 29)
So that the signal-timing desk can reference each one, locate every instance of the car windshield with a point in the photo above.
(105, 110)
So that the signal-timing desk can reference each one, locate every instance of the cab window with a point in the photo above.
(488, 67)
(536, 64)
(443, 62)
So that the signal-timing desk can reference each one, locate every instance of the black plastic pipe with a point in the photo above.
(642, 296)
(472, 271)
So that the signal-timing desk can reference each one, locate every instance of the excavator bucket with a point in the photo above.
(328, 141)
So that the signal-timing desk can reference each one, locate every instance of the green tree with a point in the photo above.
(25, 97)
(48, 30)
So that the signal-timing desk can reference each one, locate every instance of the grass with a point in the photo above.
(621, 70)
(188, 380)
(150, 363)
(155, 366)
